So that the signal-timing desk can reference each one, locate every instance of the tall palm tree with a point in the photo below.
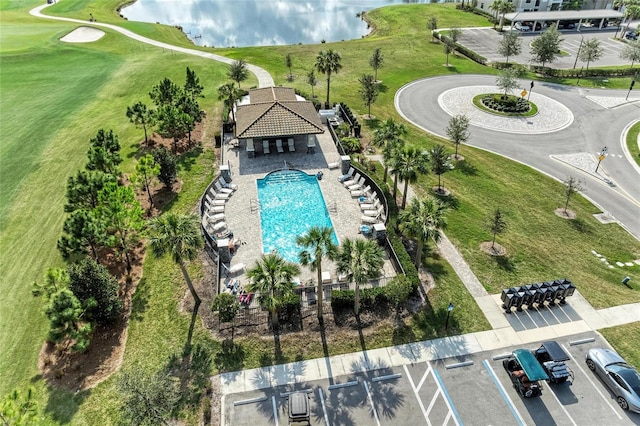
(389, 137)
(328, 62)
(318, 242)
(360, 260)
(238, 71)
(503, 7)
(179, 236)
(272, 278)
(410, 163)
(422, 221)
(228, 93)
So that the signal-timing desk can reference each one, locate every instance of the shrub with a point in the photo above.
(96, 289)
(168, 166)
(351, 145)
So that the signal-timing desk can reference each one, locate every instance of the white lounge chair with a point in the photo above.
(279, 146)
(215, 209)
(221, 189)
(216, 217)
(292, 146)
(220, 226)
(370, 206)
(238, 267)
(226, 184)
(221, 196)
(357, 186)
(369, 219)
(332, 166)
(372, 213)
(265, 146)
(352, 181)
(361, 192)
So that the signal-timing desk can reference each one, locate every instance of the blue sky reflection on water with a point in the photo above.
(226, 23)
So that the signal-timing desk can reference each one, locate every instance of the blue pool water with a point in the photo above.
(290, 204)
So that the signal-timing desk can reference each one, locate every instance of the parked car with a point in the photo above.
(620, 377)
(521, 27)
(631, 35)
(525, 373)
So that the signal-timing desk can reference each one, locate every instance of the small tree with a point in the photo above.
(422, 222)
(55, 280)
(457, 131)
(288, 63)
(84, 233)
(507, 81)
(454, 34)
(168, 166)
(146, 171)
(96, 289)
(432, 25)
(328, 62)
(238, 71)
(147, 398)
(411, 163)
(360, 260)
(439, 162)
(368, 90)
(192, 86)
(572, 186)
(398, 291)
(165, 93)
(510, 44)
(173, 123)
(389, 137)
(376, 61)
(631, 52)
(312, 80)
(229, 94)
(83, 189)
(122, 216)
(18, 409)
(448, 46)
(591, 51)
(227, 307)
(104, 153)
(141, 116)
(497, 225)
(65, 314)
(546, 47)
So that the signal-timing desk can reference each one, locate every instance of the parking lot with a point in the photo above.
(471, 390)
(485, 41)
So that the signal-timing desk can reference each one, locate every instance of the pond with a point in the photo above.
(238, 23)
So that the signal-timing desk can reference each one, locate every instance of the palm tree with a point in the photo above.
(388, 137)
(238, 71)
(328, 62)
(272, 278)
(228, 93)
(410, 163)
(179, 236)
(360, 260)
(318, 242)
(502, 7)
(422, 221)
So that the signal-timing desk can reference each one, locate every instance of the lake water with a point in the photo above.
(226, 23)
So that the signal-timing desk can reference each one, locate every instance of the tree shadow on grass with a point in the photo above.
(581, 226)
(189, 158)
(140, 300)
(192, 369)
(504, 262)
(230, 357)
(466, 168)
(450, 200)
(63, 404)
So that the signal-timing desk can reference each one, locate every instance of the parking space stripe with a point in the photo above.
(550, 389)
(446, 420)
(426, 374)
(447, 398)
(275, 409)
(506, 398)
(415, 391)
(591, 381)
(324, 407)
(433, 401)
(373, 407)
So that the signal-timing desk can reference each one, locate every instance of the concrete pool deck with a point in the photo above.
(244, 219)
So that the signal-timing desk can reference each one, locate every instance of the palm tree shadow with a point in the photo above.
(466, 168)
(450, 200)
(325, 351)
(194, 315)
(505, 263)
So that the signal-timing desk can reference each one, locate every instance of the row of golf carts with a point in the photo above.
(528, 368)
(534, 295)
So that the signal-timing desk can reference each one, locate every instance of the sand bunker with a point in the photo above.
(83, 35)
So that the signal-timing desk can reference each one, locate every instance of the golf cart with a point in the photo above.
(552, 358)
(299, 408)
(525, 372)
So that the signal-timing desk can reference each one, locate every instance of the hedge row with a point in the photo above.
(466, 52)
(596, 72)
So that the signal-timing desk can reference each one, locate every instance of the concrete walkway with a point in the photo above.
(264, 78)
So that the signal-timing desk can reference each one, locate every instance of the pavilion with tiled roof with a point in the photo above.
(276, 120)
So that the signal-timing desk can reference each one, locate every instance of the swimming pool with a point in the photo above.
(290, 203)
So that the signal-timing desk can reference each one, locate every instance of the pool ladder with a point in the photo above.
(254, 205)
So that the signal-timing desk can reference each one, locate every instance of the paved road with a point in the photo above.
(593, 127)
(264, 78)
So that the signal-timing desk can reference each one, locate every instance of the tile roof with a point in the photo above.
(274, 111)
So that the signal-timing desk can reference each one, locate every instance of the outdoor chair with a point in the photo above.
(222, 189)
(358, 185)
(238, 267)
(225, 184)
(219, 195)
(370, 206)
(347, 176)
(292, 146)
(265, 146)
(213, 218)
(369, 219)
(279, 146)
(215, 209)
(361, 192)
(352, 181)
(332, 166)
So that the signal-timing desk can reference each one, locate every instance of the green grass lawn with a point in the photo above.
(632, 142)
(624, 339)
(56, 96)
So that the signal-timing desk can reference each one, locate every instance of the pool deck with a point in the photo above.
(245, 222)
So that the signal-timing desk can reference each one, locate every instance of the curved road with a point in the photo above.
(264, 78)
(593, 127)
